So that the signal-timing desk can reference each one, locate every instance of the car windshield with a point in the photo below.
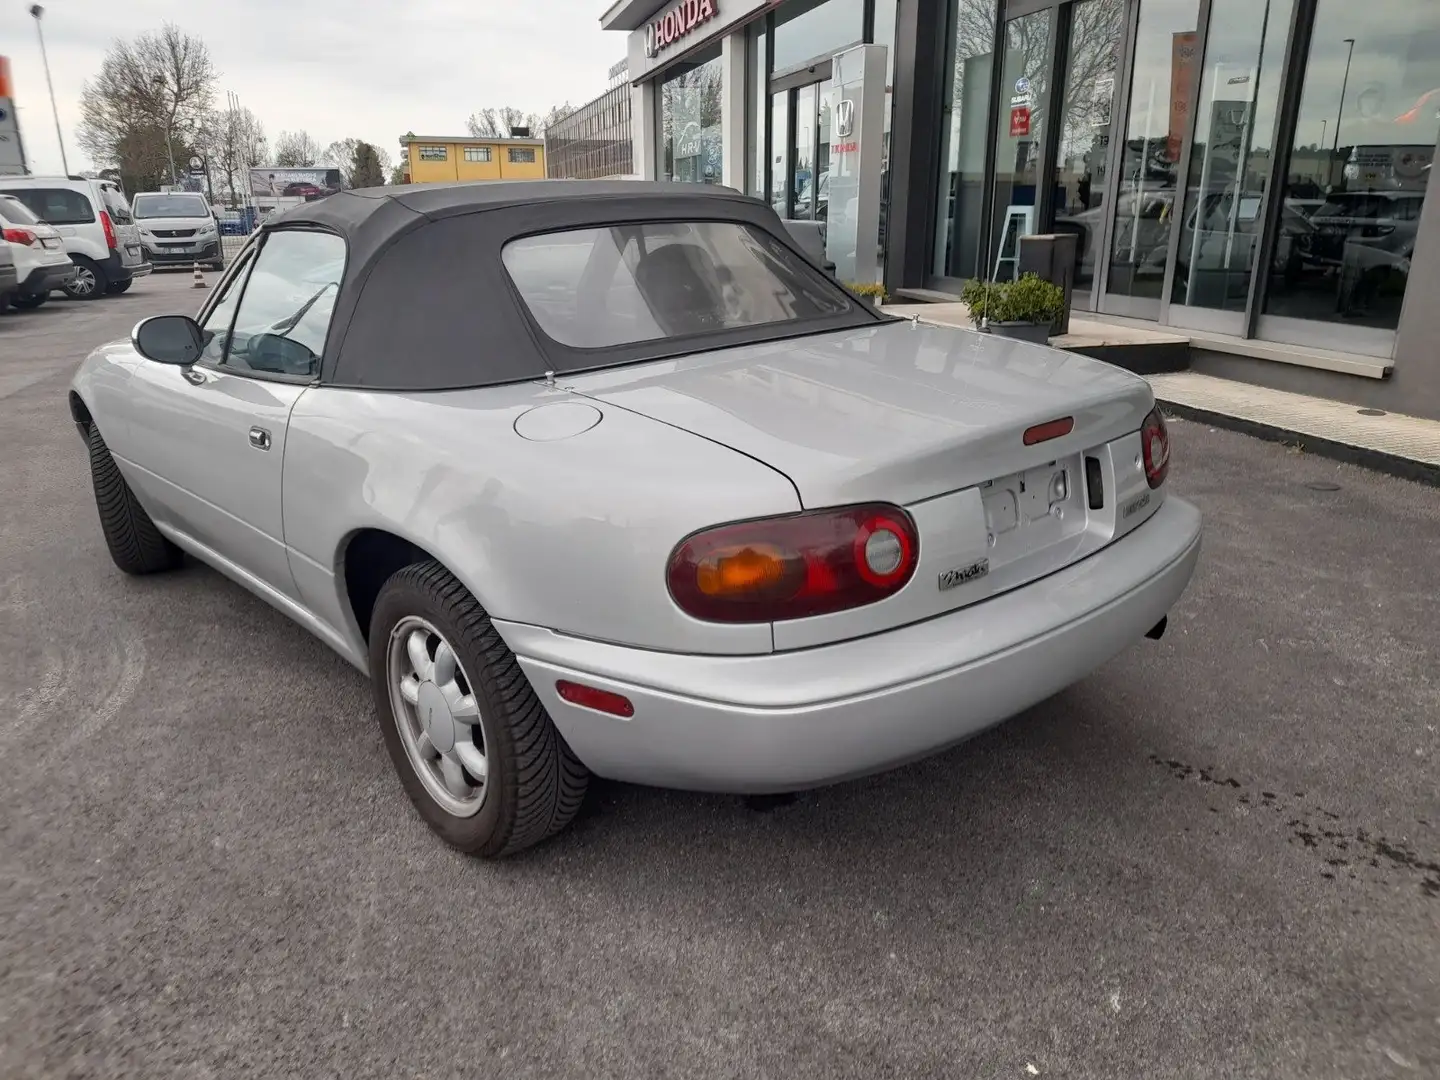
(625, 284)
(170, 206)
(16, 212)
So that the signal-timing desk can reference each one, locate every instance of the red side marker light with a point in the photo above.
(594, 698)
(1051, 429)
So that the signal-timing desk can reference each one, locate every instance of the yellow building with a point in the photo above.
(431, 159)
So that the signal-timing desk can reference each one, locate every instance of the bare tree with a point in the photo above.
(148, 105)
(296, 149)
(237, 144)
(341, 154)
(501, 123)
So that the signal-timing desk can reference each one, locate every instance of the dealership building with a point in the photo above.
(1250, 175)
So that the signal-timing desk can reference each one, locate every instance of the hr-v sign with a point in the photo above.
(678, 22)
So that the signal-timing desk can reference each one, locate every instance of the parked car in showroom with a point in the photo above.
(608, 477)
(178, 228)
(305, 189)
(41, 264)
(94, 222)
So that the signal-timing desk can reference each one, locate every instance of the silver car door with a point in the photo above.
(214, 435)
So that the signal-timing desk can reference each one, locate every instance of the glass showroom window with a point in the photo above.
(688, 140)
(1358, 165)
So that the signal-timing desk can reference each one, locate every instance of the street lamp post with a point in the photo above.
(158, 82)
(36, 11)
(1350, 41)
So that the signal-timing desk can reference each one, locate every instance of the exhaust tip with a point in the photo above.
(1156, 632)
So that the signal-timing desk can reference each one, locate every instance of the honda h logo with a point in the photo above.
(845, 118)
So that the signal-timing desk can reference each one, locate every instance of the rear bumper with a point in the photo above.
(116, 269)
(44, 278)
(790, 720)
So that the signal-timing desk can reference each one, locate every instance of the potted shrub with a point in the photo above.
(1024, 309)
(874, 294)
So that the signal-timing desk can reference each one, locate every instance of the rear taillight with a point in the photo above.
(795, 566)
(1155, 447)
(20, 236)
(109, 230)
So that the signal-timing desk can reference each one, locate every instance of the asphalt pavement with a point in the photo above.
(1217, 857)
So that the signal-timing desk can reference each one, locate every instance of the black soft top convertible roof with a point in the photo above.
(426, 303)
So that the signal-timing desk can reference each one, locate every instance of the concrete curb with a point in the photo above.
(1405, 468)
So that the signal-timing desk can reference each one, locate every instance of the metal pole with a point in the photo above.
(36, 11)
(1343, 84)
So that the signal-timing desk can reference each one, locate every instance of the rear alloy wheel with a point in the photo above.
(136, 546)
(31, 302)
(475, 749)
(89, 282)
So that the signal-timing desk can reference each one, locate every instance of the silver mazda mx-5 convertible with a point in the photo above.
(611, 478)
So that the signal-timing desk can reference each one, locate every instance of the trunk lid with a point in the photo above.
(930, 418)
(900, 412)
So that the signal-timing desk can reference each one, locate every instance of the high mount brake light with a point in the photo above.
(1155, 448)
(796, 566)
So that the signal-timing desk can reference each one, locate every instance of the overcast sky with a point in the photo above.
(366, 69)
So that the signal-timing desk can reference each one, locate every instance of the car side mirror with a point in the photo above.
(169, 339)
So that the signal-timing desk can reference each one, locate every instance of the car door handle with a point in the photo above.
(259, 438)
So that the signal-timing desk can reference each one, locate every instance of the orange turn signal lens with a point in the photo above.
(736, 571)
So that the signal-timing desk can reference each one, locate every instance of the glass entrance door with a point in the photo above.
(1051, 164)
(1089, 71)
(1167, 45)
(801, 177)
(1020, 138)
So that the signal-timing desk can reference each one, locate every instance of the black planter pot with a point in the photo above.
(1039, 333)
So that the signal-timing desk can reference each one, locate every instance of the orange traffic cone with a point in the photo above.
(199, 282)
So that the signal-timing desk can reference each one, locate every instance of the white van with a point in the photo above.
(178, 227)
(94, 222)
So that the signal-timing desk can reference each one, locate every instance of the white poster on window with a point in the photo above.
(857, 147)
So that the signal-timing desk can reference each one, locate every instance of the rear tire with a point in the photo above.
(30, 303)
(89, 283)
(534, 784)
(136, 546)
(218, 267)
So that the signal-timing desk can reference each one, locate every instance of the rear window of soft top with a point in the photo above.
(617, 285)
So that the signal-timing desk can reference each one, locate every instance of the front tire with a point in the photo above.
(31, 302)
(136, 546)
(476, 752)
(89, 283)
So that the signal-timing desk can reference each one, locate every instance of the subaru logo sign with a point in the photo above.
(845, 118)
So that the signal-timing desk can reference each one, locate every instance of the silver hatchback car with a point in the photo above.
(610, 478)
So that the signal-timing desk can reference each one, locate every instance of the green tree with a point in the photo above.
(366, 170)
